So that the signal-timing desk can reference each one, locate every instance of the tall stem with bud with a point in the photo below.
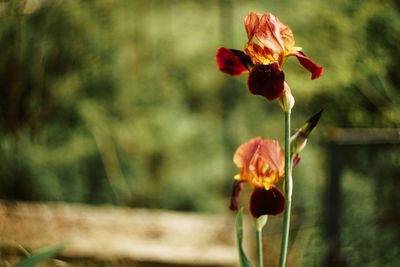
(287, 102)
(288, 193)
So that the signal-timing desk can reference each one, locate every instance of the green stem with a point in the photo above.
(259, 243)
(288, 193)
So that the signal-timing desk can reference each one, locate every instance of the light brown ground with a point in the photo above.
(115, 236)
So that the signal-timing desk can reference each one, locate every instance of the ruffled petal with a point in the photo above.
(237, 187)
(251, 23)
(270, 202)
(243, 156)
(308, 64)
(274, 34)
(269, 158)
(232, 62)
(266, 80)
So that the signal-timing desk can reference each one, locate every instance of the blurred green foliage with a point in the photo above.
(121, 102)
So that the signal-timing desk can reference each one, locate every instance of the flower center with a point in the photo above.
(265, 181)
(259, 54)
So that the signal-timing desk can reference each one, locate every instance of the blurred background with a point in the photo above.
(117, 102)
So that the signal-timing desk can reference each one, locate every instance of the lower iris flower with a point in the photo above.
(262, 165)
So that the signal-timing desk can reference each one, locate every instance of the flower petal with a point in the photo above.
(266, 80)
(251, 23)
(244, 59)
(244, 154)
(259, 159)
(269, 158)
(272, 33)
(232, 62)
(270, 202)
(237, 187)
(308, 64)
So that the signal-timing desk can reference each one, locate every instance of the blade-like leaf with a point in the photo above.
(243, 259)
(40, 256)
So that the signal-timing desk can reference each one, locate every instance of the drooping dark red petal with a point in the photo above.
(244, 59)
(229, 63)
(296, 160)
(309, 65)
(270, 202)
(237, 187)
(266, 80)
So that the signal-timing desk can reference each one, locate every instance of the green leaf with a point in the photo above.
(40, 256)
(243, 259)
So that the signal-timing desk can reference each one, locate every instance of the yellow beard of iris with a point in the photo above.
(259, 181)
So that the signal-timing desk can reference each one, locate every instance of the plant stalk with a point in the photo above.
(288, 193)
(259, 246)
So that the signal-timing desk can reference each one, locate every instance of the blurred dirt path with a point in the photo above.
(123, 236)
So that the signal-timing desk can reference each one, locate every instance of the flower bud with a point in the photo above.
(260, 222)
(299, 140)
(286, 100)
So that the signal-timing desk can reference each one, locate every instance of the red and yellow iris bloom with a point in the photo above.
(266, 58)
(262, 165)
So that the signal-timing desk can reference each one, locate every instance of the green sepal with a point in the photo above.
(243, 259)
(40, 256)
(260, 222)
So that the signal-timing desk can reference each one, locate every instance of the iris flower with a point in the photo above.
(262, 165)
(270, 43)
